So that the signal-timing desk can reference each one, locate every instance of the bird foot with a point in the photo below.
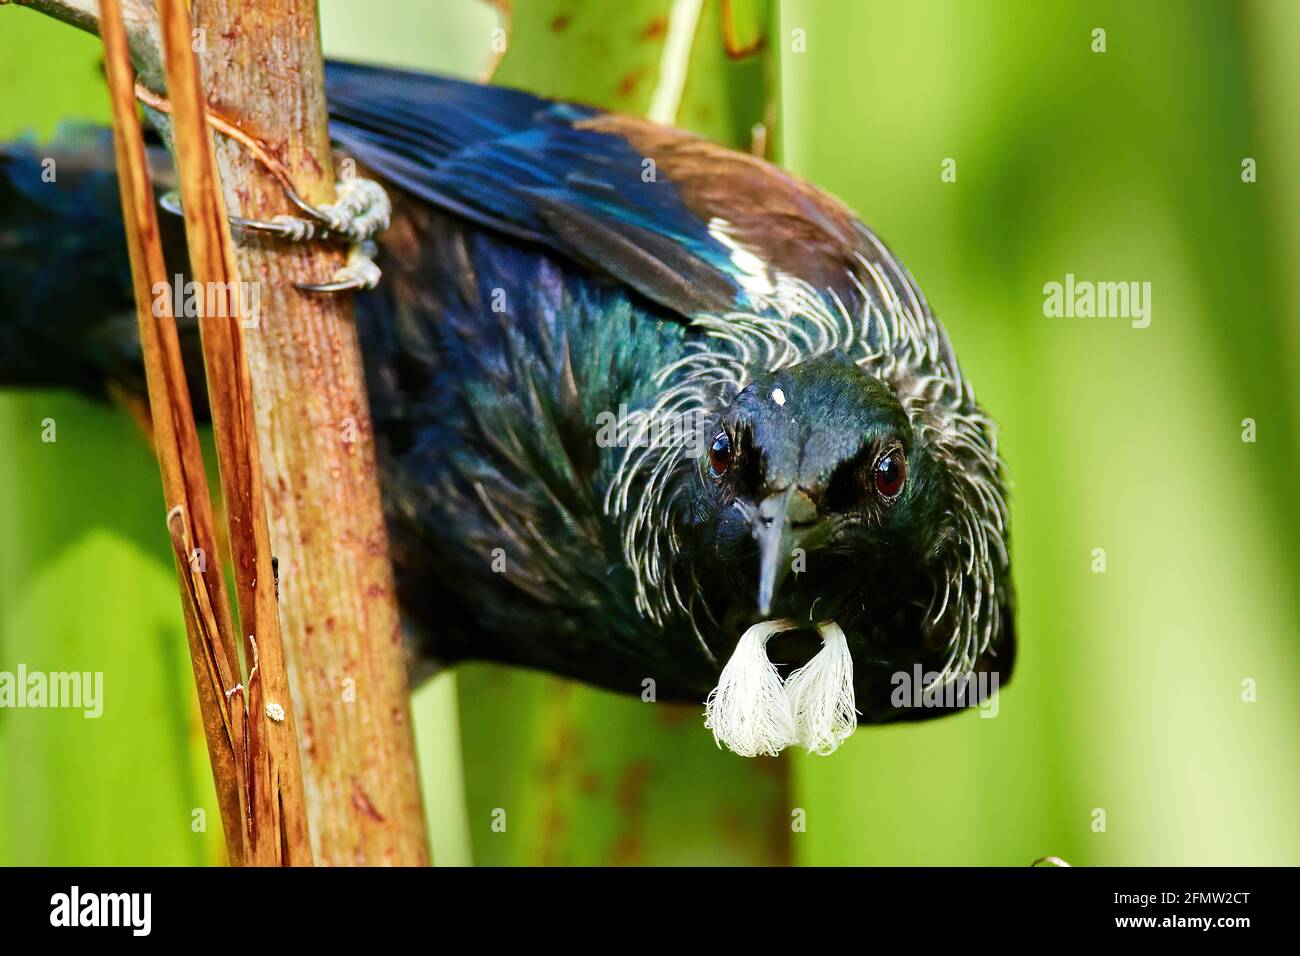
(358, 274)
(360, 213)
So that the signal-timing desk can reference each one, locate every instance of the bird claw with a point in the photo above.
(358, 274)
(360, 213)
(285, 227)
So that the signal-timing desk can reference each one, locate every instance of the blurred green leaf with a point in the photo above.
(88, 587)
(562, 774)
(730, 79)
(667, 60)
(587, 50)
(1118, 166)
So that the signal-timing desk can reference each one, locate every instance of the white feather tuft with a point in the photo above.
(821, 694)
(749, 710)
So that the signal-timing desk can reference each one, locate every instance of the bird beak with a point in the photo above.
(782, 524)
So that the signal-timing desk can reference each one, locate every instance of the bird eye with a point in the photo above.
(720, 455)
(890, 473)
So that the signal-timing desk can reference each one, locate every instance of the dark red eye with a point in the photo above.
(720, 455)
(890, 473)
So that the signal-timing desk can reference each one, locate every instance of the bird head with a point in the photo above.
(830, 494)
(814, 488)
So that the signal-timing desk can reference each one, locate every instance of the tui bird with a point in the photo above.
(646, 408)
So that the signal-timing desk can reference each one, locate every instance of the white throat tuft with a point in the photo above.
(821, 694)
(753, 712)
(748, 710)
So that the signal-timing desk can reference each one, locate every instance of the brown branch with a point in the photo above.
(277, 818)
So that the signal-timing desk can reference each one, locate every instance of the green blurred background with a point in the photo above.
(1123, 165)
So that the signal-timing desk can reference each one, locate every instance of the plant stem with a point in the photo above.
(261, 63)
(208, 622)
(278, 831)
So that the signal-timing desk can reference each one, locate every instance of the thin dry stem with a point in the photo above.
(185, 489)
(277, 821)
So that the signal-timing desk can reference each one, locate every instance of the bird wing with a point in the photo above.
(689, 224)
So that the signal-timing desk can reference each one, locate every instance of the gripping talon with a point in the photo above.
(361, 212)
(351, 284)
(290, 228)
(285, 227)
(358, 274)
